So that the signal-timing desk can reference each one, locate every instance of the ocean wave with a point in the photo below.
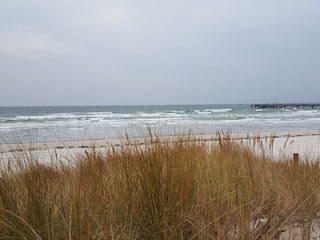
(114, 121)
(212, 110)
(218, 110)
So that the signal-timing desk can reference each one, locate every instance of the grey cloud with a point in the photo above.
(176, 51)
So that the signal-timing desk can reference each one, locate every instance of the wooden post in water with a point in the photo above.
(295, 158)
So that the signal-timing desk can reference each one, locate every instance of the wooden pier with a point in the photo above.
(284, 105)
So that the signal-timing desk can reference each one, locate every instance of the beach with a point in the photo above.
(176, 120)
(277, 144)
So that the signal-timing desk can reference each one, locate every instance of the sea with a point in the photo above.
(62, 123)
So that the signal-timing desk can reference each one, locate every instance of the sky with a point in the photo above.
(142, 52)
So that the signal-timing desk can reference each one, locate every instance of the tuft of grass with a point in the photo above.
(166, 188)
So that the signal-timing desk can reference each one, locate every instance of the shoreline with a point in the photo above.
(303, 142)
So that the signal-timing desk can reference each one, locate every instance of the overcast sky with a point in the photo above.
(98, 52)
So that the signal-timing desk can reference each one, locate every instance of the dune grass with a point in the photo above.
(166, 188)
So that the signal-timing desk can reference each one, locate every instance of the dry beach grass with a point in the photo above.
(162, 188)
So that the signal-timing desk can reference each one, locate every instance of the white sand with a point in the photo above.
(305, 143)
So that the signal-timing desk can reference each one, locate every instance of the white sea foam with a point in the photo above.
(106, 122)
(215, 110)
